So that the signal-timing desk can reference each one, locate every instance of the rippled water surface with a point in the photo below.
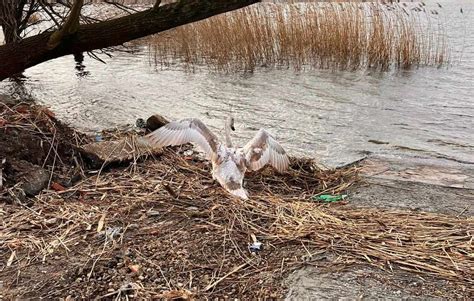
(333, 116)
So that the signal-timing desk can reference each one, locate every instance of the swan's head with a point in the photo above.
(230, 123)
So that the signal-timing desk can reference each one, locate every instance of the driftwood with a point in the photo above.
(156, 121)
(116, 151)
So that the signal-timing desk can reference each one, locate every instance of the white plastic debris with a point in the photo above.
(256, 245)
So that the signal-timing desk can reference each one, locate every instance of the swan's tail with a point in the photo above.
(241, 193)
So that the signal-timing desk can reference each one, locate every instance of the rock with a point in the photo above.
(35, 180)
(32, 178)
(156, 121)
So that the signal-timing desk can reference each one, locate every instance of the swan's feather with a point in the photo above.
(185, 131)
(264, 149)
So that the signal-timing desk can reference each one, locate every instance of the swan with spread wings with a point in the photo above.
(229, 164)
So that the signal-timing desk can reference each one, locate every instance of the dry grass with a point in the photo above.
(162, 228)
(188, 237)
(199, 236)
(310, 35)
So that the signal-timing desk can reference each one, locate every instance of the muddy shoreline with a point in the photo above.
(151, 246)
(387, 184)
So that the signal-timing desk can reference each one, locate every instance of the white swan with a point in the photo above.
(229, 164)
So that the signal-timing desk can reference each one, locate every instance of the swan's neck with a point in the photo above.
(228, 142)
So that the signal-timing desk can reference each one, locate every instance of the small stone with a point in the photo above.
(36, 180)
(141, 277)
(156, 121)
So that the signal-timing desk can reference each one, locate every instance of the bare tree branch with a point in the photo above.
(16, 57)
(122, 7)
(70, 26)
(157, 4)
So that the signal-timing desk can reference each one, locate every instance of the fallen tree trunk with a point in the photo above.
(16, 57)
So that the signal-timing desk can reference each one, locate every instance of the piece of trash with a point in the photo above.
(330, 198)
(110, 234)
(256, 245)
(98, 138)
(189, 152)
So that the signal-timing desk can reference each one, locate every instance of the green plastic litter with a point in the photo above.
(329, 198)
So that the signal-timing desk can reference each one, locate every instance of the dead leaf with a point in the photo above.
(57, 187)
(48, 112)
(101, 223)
(23, 109)
(181, 294)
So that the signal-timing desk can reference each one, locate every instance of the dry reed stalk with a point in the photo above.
(201, 231)
(195, 240)
(308, 35)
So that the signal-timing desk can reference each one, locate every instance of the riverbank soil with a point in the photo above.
(160, 227)
(38, 150)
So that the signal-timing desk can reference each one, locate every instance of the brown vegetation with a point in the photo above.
(314, 35)
(162, 228)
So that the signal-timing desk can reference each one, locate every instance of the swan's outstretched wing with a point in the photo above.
(185, 131)
(263, 149)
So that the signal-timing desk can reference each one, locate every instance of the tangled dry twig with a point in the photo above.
(121, 232)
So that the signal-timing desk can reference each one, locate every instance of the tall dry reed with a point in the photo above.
(308, 35)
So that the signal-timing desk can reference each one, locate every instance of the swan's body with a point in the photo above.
(229, 164)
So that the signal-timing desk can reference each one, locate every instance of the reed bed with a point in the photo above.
(308, 35)
(161, 228)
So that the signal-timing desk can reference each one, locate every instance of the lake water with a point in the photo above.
(335, 117)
